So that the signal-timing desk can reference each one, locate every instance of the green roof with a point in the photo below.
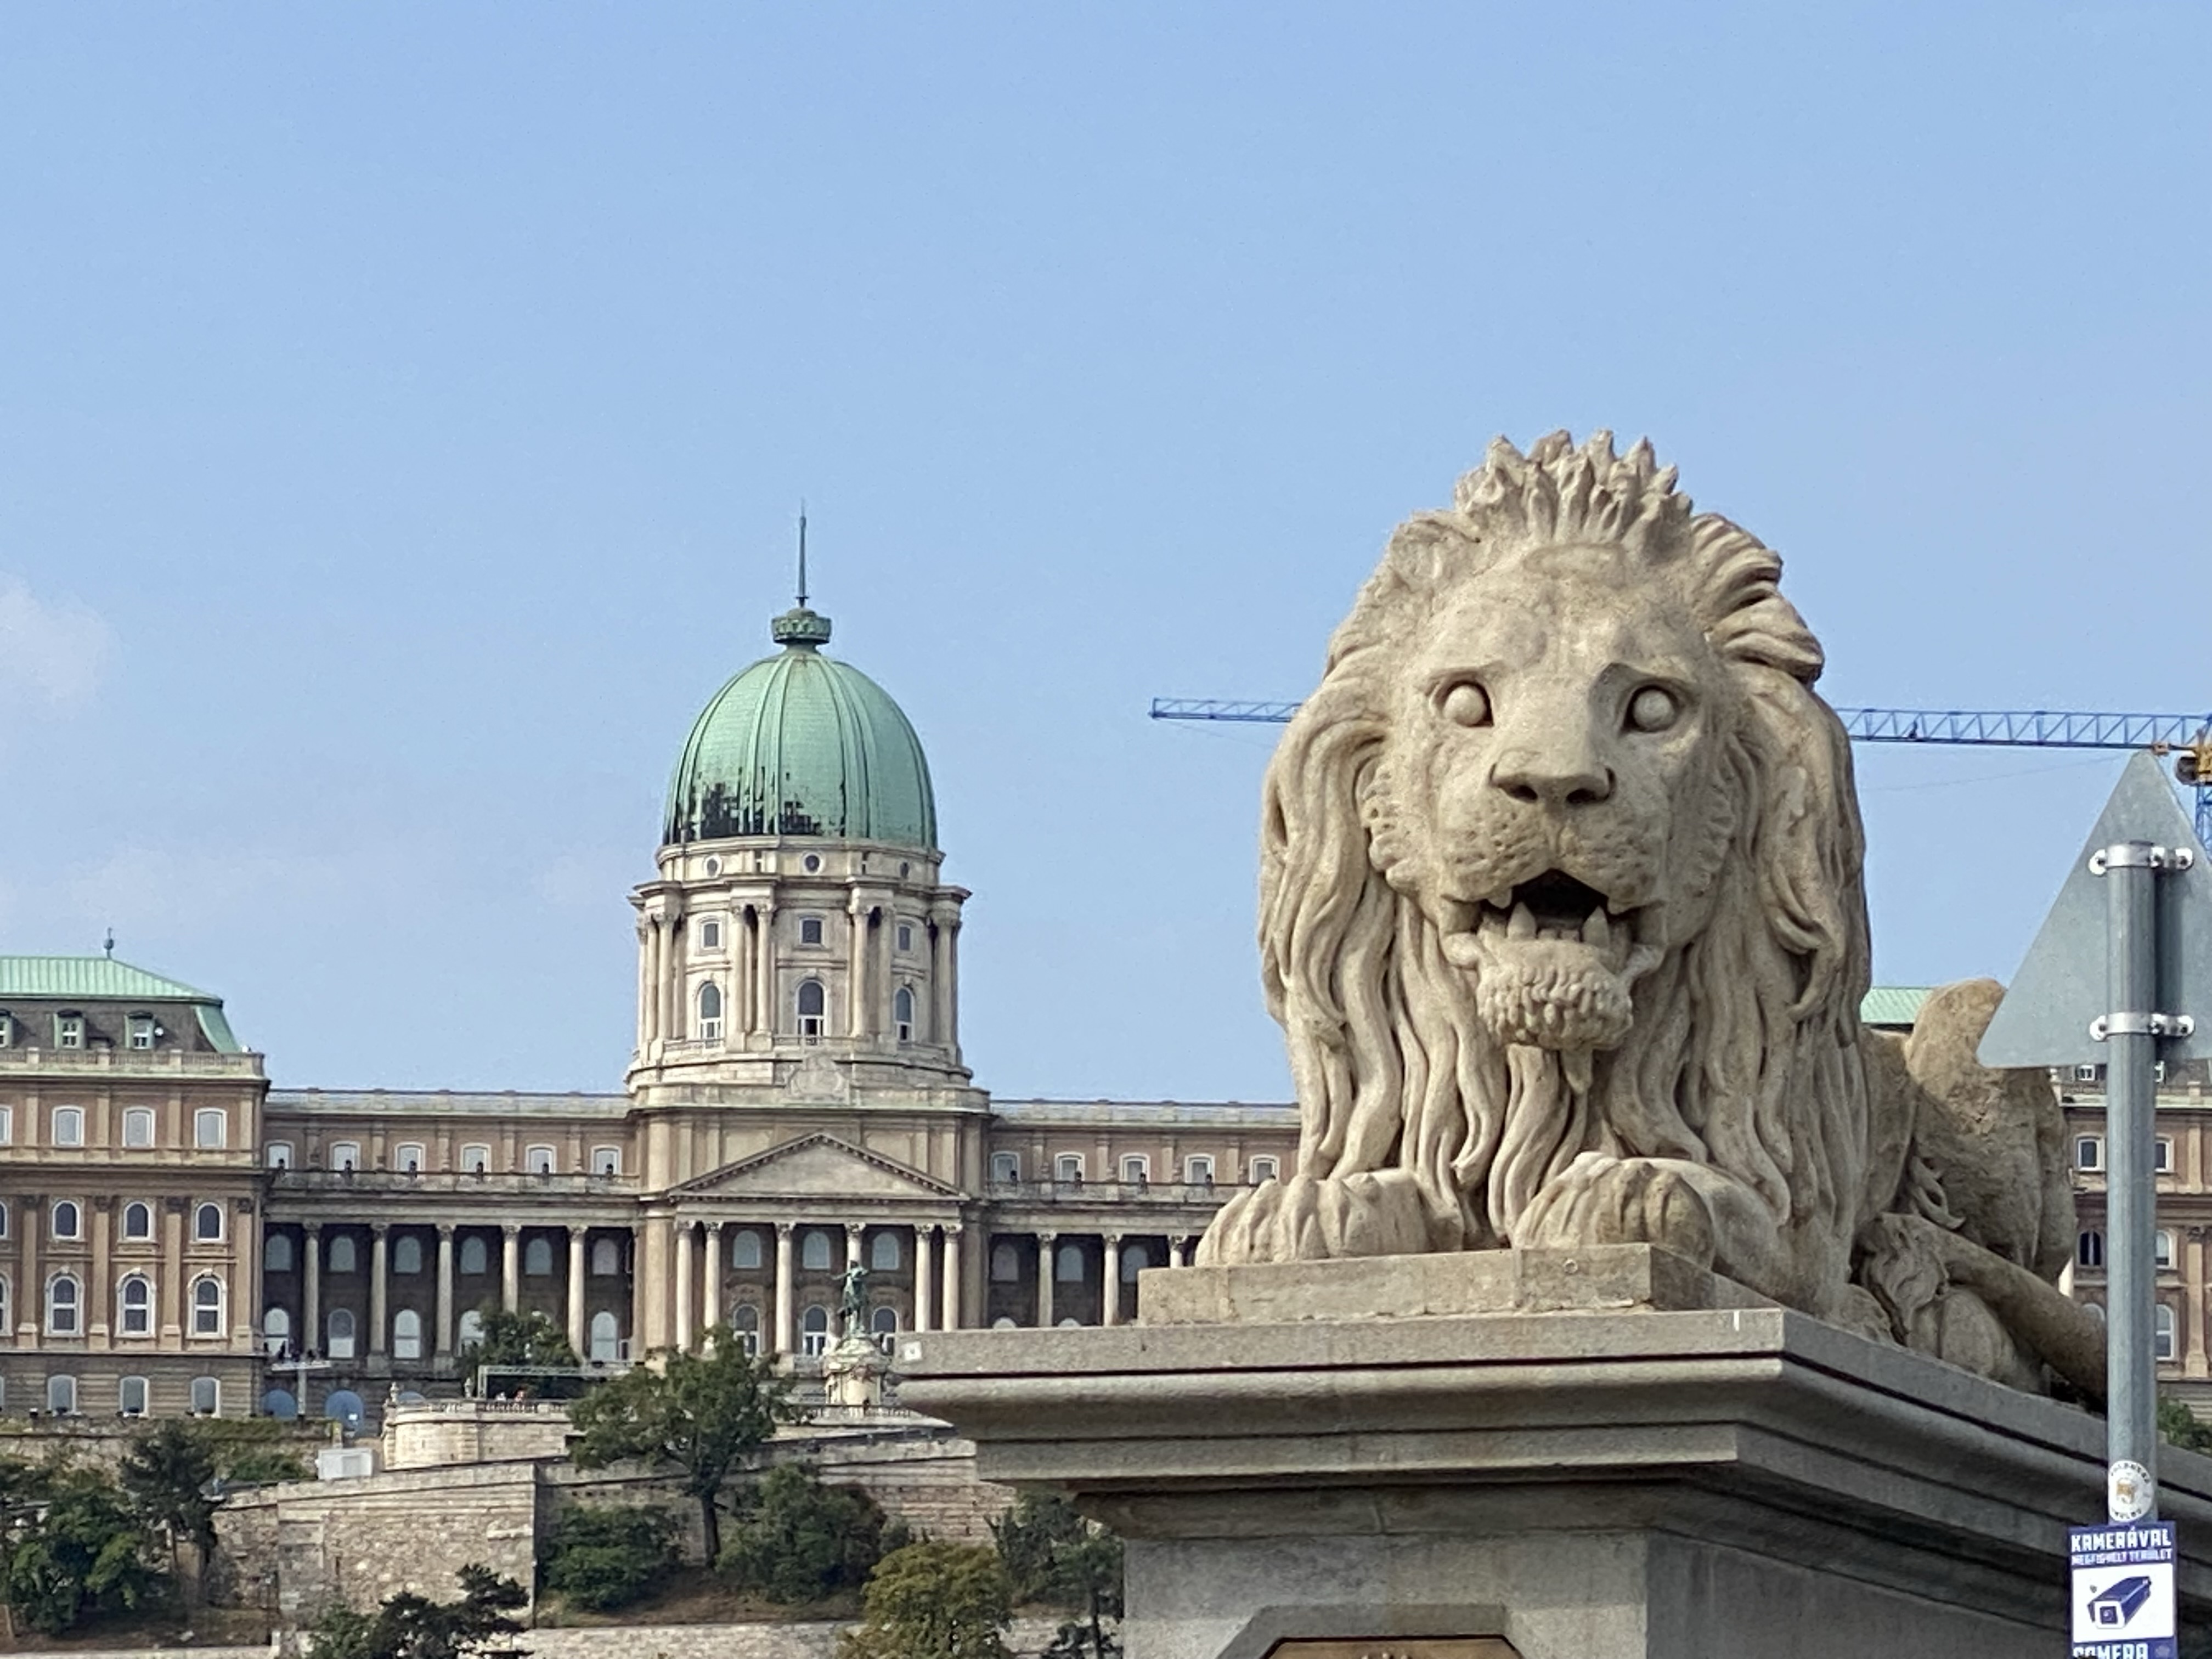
(1893, 1005)
(802, 744)
(92, 978)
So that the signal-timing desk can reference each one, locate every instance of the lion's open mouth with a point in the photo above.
(1555, 905)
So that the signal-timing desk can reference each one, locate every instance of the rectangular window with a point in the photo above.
(207, 1396)
(277, 1154)
(141, 1031)
(2161, 1251)
(345, 1155)
(1136, 1170)
(710, 935)
(7, 1031)
(2085, 1074)
(1198, 1171)
(69, 1126)
(1005, 1166)
(7, 1125)
(138, 1126)
(809, 930)
(1263, 1169)
(69, 1031)
(476, 1160)
(905, 937)
(407, 1158)
(210, 1128)
(1068, 1167)
(2088, 1151)
(130, 1397)
(606, 1160)
(541, 1160)
(2162, 1159)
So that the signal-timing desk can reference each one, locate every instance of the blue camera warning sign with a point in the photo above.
(2123, 1590)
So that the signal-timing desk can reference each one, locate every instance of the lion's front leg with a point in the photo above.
(1379, 1212)
(1692, 1209)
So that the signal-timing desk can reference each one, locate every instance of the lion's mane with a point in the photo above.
(1744, 1052)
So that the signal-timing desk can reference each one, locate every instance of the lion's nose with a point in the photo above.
(1554, 778)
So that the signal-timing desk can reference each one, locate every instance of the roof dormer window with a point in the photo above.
(143, 1031)
(69, 1031)
(7, 1031)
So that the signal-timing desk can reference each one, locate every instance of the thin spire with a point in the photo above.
(802, 553)
(110, 946)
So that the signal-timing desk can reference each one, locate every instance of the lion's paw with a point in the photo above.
(1306, 1219)
(1598, 1200)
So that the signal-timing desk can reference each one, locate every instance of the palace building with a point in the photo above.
(178, 1235)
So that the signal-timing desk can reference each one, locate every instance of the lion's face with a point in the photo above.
(1552, 789)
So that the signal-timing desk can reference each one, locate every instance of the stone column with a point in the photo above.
(644, 981)
(379, 1259)
(950, 1037)
(510, 1265)
(677, 1020)
(2192, 1264)
(940, 942)
(923, 1268)
(741, 960)
(710, 1313)
(1045, 1265)
(1109, 1286)
(576, 1248)
(93, 1315)
(177, 1317)
(640, 1312)
(948, 1316)
(853, 1231)
(856, 1022)
(443, 1335)
(31, 1292)
(782, 1332)
(311, 1311)
(680, 1237)
(764, 975)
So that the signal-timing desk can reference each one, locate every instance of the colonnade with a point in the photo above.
(698, 1271)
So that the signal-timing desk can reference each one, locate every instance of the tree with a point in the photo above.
(703, 1413)
(603, 1556)
(2180, 1426)
(168, 1474)
(77, 1551)
(517, 1339)
(932, 1601)
(1055, 1558)
(411, 1626)
(797, 1541)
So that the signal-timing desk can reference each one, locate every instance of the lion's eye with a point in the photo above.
(1465, 705)
(1652, 709)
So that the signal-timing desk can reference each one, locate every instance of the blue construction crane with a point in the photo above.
(2186, 737)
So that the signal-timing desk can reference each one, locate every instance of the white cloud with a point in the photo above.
(51, 656)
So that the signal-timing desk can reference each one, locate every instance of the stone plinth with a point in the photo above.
(853, 1374)
(1638, 1470)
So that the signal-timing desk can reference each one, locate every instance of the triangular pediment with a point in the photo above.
(817, 1166)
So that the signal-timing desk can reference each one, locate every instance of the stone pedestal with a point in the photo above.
(1600, 1455)
(853, 1374)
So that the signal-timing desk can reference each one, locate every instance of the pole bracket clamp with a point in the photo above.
(2156, 1026)
(2140, 855)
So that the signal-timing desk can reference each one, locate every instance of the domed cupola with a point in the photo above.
(800, 743)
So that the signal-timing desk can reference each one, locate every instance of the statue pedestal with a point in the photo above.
(853, 1373)
(1593, 1455)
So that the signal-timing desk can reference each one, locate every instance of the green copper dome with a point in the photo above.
(802, 744)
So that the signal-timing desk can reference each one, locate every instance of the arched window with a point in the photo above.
(408, 1157)
(61, 1396)
(277, 1253)
(882, 1325)
(138, 1126)
(814, 1252)
(207, 1222)
(62, 1298)
(812, 1004)
(276, 1329)
(68, 1221)
(2162, 1250)
(1136, 1170)
(541, 1160)
(471, 1327)
(279, 1403)
(137, 1302)
(7, 1323)
(2162, 1330)
(343, 1406)
(1261, 1168)
(130, 1396)
(1006, 1264)
(137, 1221)
(1067, 1264)
(537, 1256)
(476, 1160)
(1005, 1166)
(745, 1250)
(903, 1013)
(1067, 1169)
(407, 1253)
(710, 1012)
(1135, 1258)
(476, 1257)
(277, 1154)
(814, 1332)
(605, 1344)
(606, 1258)
(884, 1254)
(345, 1257)
(746, 1323)
(407, 1335)
(340, 1326)
(345, 1156)
(207, 1307)
(69, 1126)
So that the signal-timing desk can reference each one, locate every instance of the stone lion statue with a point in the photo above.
(1561, 911)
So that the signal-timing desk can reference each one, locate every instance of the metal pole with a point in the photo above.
(2131, 1374)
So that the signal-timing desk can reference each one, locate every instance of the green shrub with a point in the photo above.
(796, 1541)
(83, 1555)
(607, 1556)
(933, 1601)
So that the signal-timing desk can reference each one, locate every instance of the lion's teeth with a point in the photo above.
(1597, 931)
(1522, 925)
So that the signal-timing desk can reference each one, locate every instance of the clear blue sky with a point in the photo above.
(403, 411)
